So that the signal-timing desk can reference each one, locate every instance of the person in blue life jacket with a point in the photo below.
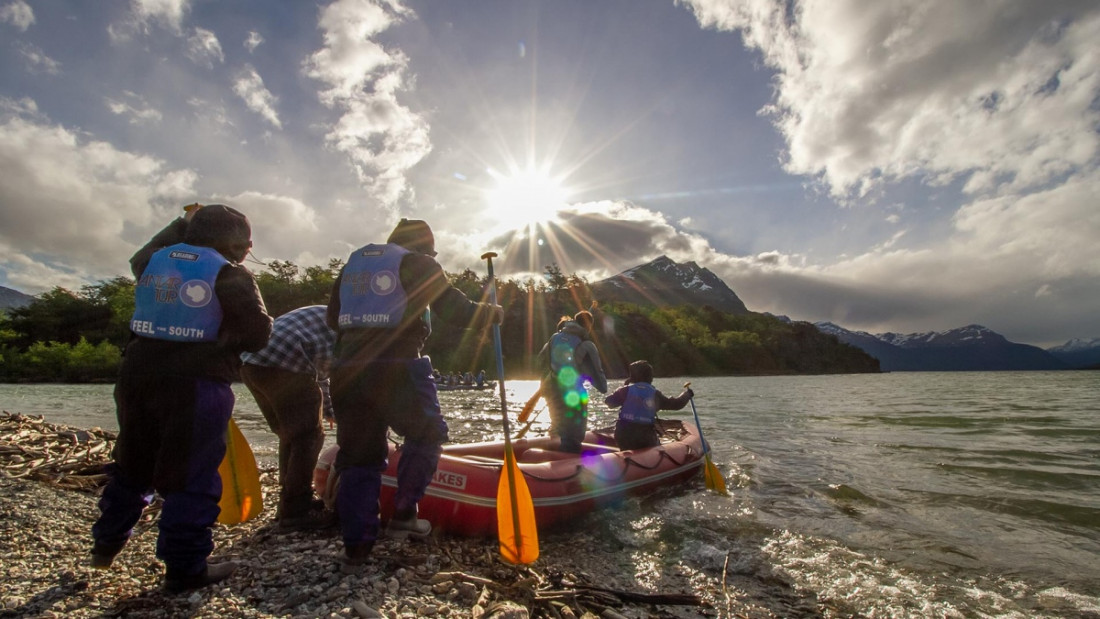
(289, 381)
(382, 307)
(196, 309)
(639, 402)
(570, 359)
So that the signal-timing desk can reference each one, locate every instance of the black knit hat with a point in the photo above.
(222, 228)
(584, 319)
(640, 372)
(413, 235)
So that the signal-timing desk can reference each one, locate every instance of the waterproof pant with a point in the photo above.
(632, 435)
(367, 399)
(171, 440)
(291, 404)
(568, 413)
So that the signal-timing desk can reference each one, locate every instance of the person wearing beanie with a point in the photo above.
(196, 310)
(570, 359)
(639, 402)
(382, 306)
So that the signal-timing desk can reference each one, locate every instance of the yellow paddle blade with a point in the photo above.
(714, 478)
(516, 528)
(242, 499)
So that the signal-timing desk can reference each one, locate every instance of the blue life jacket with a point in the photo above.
(174, 298)
(563, 350)
(371, 294)
(640, 405)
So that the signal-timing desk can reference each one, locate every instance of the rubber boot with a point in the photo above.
(405, 524)
(354, 558)
(213, 573)
(103, 555)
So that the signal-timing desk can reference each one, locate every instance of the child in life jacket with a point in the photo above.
(639, 402)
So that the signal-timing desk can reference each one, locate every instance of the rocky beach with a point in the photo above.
(51, 475)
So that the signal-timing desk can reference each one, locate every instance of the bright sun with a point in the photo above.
(524, 198)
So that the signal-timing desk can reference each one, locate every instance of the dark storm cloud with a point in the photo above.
(589, 241)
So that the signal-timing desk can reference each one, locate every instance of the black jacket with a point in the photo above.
(246, 326)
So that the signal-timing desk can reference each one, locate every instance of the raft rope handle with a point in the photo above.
(628, 460)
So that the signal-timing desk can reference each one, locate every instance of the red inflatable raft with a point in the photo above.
(461, 499)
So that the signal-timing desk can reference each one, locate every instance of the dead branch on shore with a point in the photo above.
(31, 448)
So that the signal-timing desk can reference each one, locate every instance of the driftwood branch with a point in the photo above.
(681, 599)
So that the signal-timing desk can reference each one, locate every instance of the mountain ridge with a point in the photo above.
(970, 348)
(11, 298)
(663, 281)
(974, 347)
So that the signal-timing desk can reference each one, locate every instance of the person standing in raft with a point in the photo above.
(381, 308)
(289, 380)
(571, 359)
(639, 401)
(196, 310)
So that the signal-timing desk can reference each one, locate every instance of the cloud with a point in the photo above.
(595, 240)
(1010, 258)
(37, 60)
(281, 226)
(144, 14)
(250, 86)
(168, 13)
(997, 269)
(997, 100)
(381, 137)
(253, 41)
(138, 111)
(77, 205)
(18, 14)
(204, 49)
(1000, 94)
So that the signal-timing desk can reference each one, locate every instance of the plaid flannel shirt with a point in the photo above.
(302, 343)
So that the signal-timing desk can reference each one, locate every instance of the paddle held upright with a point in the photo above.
(712, 475)
(516, 527)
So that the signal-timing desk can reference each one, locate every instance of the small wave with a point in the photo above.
(1060, 479)
(847, 494)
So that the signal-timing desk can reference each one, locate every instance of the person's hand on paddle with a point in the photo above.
(497, 316)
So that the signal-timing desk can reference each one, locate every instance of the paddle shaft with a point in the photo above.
(499, 352)
(706, 446)
(713, 475)
(523, 431)
(509, 454)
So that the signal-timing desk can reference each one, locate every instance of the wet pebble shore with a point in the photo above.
(49, 477)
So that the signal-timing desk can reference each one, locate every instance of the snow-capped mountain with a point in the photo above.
(969, 348)
(664, 282)
(1079, 352)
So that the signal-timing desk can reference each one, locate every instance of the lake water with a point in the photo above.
(902, 494)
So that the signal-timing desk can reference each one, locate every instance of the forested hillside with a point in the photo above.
(66, 336)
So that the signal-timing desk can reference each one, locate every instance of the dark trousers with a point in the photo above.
(568, 408)
(171, 440)
(367, 399)
(291, 404)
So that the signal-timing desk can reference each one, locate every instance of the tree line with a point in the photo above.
(73, 337)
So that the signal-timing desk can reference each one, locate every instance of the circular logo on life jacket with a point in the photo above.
(195, 293)
(383, 283)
